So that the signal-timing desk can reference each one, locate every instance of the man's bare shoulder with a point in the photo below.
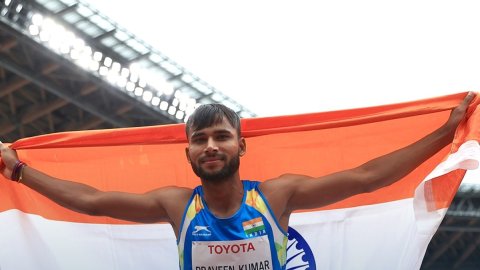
(281, 182)
(172, 192)
(174, 200)
(277, 191)
(281, 187)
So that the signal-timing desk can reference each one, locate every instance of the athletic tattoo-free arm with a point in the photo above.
(148, 207)
(308, 192)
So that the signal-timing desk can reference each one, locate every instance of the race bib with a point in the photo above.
(252, 253)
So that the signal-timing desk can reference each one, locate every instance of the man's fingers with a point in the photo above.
(468, 99)
(463, 106)
(3, 146)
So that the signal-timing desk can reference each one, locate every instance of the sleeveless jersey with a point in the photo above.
(249, 239)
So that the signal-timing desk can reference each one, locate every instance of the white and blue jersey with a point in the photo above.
(249, 239)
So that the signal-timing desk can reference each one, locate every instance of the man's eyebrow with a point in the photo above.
(218, 131)
(197, 134)
(222, 131)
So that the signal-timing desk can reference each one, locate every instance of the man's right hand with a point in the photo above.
(8, 159)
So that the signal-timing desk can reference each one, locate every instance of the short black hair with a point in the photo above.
(208, 115)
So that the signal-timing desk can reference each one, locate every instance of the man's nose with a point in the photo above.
(211, 146)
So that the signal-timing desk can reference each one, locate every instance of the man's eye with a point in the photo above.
(198, 140)
(222, 137)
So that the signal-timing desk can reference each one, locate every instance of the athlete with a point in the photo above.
(227, 221)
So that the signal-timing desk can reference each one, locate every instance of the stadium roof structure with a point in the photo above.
(64, 66)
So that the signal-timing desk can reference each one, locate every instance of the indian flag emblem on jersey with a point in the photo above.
(254, 227)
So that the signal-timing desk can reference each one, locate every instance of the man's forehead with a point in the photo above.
(222, 126)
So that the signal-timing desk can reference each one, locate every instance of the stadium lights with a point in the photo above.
(156, 101)
(163, 105)
(183, 106)
(37, 19)
(97, 56)
(147, 96)
(113, 77)
(116, 67)
(94, 66)
(138, 91)
(107, 61)
(122, 82)
(125, 72)
(130, 79)
(179, 115)
(130, 86)
(156, 82)
(175, 102)
(172, 110)
(147, 80)
(33, 30)
(103, 70)
(133, 76)
(142, 82)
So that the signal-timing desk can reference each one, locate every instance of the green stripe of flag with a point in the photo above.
(255, 229)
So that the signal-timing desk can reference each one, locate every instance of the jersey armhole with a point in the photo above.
(180, 229)
(267, 203)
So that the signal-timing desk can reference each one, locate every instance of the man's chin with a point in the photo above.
(214, 176)
(217, 173)
(212, 168)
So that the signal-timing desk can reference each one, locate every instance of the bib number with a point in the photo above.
(252, 253)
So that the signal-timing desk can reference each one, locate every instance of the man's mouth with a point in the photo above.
(208, 160)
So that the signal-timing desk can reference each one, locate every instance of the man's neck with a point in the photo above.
(225, 197)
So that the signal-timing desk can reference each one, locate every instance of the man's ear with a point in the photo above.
(243, 146)
(187, 151)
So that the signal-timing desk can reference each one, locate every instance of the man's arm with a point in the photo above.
(153, 206)
(307, 192)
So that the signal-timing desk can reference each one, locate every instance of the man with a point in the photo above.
(227, 221)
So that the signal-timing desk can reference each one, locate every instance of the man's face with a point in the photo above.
(214, 152)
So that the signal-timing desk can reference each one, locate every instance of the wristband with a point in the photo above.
(17, 172)
(20, 177)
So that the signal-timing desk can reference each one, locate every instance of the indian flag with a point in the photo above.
(386, 229)
(253, 226)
